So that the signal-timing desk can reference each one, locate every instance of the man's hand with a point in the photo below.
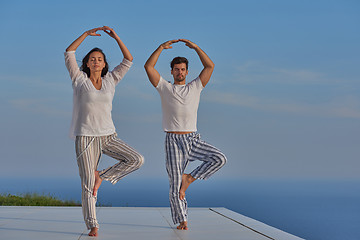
(189, 43)
(152, 73)
(167, 45)
(205, 60)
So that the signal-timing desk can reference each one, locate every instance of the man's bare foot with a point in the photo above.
(187, 179)
(93, 232)
(182, 226)
(98, 182)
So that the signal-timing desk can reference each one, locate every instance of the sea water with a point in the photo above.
(314, 210)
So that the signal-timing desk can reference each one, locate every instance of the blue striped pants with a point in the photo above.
(88, 153)
(180, 149)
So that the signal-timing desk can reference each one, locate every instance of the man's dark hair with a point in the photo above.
(179, 60)
(85, 60)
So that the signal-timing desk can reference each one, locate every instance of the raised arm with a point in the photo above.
(125, 51)
(205, 60)
(74, 45)
(149, 66)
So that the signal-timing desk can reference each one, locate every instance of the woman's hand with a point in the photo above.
(122, 46)
(92, 32)
(110, 31)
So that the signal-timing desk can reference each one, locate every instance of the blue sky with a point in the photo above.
(283, 102)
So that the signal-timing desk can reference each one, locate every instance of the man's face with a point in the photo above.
(179, 73)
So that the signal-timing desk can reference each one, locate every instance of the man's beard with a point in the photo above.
(179, 79)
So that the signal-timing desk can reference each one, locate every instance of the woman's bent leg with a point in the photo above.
(129, 159)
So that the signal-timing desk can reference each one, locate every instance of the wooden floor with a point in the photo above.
(30, 223)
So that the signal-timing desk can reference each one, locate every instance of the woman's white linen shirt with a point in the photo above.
(91, 107)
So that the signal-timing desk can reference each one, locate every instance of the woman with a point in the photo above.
(92, 125)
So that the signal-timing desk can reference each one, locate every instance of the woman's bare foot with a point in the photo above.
(182, 226)
(93, 232)
(98, 182)
(187, 179)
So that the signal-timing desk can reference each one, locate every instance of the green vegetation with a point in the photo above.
(33, 199)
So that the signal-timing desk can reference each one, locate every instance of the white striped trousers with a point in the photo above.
(88, 153)
(180, 149)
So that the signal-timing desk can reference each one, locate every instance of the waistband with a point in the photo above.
(182, 136)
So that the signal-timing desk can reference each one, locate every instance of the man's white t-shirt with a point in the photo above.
(179, 105)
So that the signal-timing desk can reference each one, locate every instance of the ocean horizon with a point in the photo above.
(310, 209)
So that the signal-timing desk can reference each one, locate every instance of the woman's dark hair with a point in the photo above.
(179, 60)
(85, 60)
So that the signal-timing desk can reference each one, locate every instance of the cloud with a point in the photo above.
(47, 107)
(343, 107)
(42, 82)
(271, 82)
(256, 71)
(136, 118)
(136, 92)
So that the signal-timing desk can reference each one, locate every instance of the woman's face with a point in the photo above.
(96, 62)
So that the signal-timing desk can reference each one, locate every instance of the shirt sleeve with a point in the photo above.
(161, 84)
(119, 71)
(197, 84)
(71, 65)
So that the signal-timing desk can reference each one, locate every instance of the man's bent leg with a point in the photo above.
(187, 179)
(213, 159)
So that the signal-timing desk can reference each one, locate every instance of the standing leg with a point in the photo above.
(129, 159)
(176, 162)
(88, 153)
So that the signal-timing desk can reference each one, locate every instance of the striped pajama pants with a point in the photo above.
(180, 149)
(88, 153)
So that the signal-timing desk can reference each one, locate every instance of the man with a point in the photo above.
(180, 103)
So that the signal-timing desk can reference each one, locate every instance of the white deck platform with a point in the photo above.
(30, 223)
